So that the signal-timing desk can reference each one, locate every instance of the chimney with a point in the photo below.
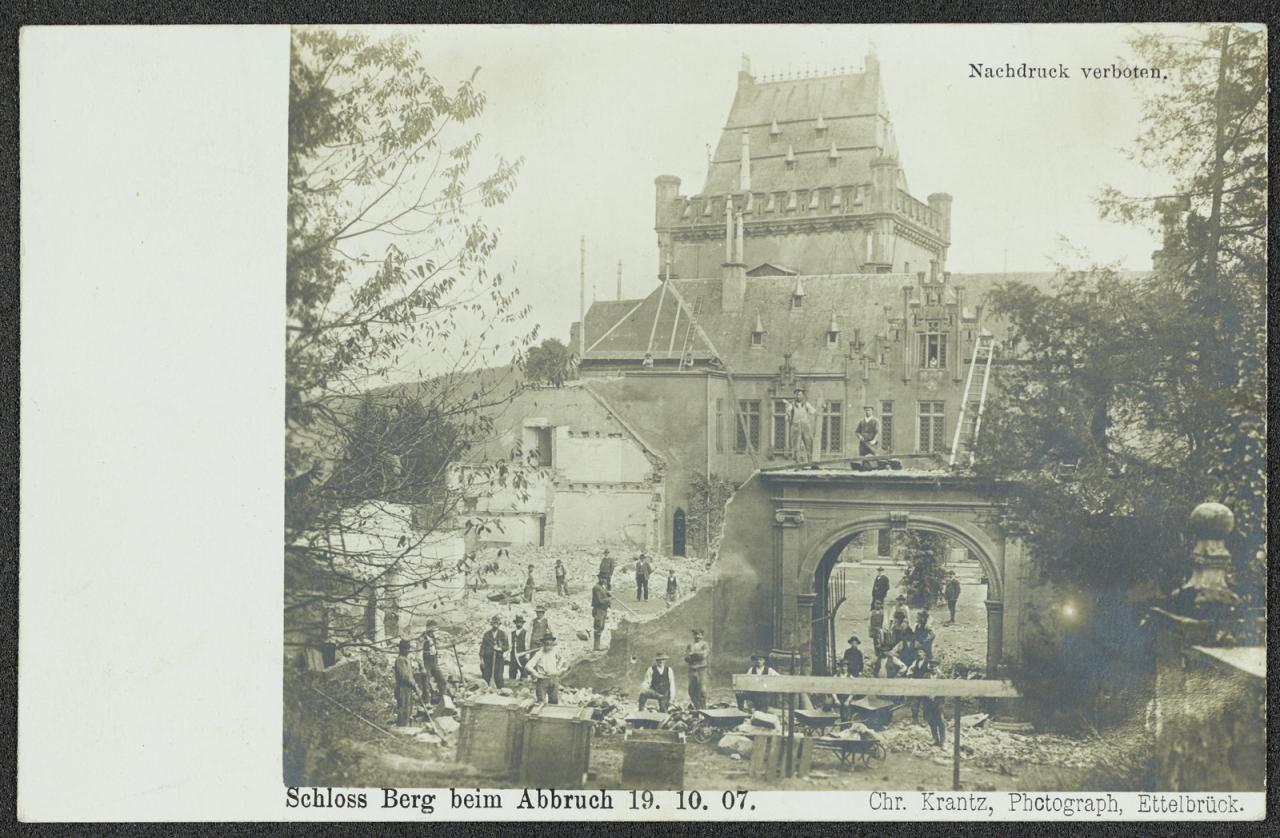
(733, 284)
(744, 174)
(884, 183)
(744, 71)
(940, 203)
(667, 189)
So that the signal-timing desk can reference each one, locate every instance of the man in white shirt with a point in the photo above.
(801, 413)
(547, 667)
(659, 683)
(756, 701)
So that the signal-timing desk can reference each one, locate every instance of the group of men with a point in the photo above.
(802, 418)
(660, 681)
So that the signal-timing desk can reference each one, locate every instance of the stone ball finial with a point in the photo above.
(1212, 521)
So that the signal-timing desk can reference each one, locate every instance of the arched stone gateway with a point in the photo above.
(785, 528)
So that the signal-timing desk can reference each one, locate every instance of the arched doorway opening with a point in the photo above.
(677, 532)
(916, 561)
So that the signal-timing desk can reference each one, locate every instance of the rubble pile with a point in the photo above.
(989, 747)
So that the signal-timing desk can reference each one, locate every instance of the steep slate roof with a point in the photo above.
(852, 108)
(864, 302)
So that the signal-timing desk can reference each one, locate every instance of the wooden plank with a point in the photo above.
(950, 687)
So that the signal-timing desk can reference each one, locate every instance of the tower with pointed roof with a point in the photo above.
(813, 165)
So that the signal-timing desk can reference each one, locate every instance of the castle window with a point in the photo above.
(748, 425)
(832, 162)
(832, 428)
(932, 438)
(797, 301)
(757, 338)
(833, 338)
(781, 429)
(933, 347)
(791, 200)
(886, 426)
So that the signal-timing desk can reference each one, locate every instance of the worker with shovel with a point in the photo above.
(547, 667)
(406, 690)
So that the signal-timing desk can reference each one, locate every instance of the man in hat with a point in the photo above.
(922, 634)
(880, 587)
(562, 580)
(951, 593)
(601, 599)
(538, 627)
(868, 431)
(900, 610)
(800, 415)
(519, 650)
(606, 570)
(431, 661)
(547, 667)
(696, 655)
(406, 690)
(659, 683)
(756, 700)
(853, 659)
(493, 652)
(643, 570)
(529, 586)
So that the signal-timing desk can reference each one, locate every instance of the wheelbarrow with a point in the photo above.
(815, 721)
(874, 712)
(852, 752)
(715, 721)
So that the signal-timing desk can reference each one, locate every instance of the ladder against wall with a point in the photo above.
(967, 431)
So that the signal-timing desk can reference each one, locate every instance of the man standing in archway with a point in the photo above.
(951, 592)
(879, 588)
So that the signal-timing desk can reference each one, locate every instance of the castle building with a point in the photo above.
(804, 261)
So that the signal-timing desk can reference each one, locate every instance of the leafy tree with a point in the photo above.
(1134, 398)
(925, 555)
(386, 263)
(551, 362)
(705, 522)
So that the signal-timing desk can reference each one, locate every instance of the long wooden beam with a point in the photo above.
(950, 687)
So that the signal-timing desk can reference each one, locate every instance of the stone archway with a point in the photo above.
(817, 563)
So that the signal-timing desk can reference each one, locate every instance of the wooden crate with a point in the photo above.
(556, 747)
(769, 756)
(653, 759)
(490, 734)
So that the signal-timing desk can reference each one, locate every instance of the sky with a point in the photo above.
(597, 112)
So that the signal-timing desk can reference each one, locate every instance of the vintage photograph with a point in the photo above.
(776, 408)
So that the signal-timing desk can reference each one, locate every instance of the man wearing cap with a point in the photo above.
(696, 655)
(643, 570)
(538, 627)
(601, 599)
(758, 701)
(529, 586)
(800, 414)
(547, 667)
(519, 651)
(868, 431)
(880, 587)
(493, 652)
(659, 683)
(606, 570)
(562, 580)
(431, 660)
(951, 593)
(406, 690)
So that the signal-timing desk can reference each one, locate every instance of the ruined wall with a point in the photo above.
(605, 514)
(1210, 717)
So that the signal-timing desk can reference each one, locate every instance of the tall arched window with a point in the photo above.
(677, 533)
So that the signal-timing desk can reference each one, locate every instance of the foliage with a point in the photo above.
(925, 555)
(550, 362)
(386, 264)
(705, 522)
(1136, 398)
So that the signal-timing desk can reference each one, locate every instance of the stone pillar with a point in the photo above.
(995, 635)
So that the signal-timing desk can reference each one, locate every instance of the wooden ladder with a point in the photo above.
(986, 344)
(689, 332)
